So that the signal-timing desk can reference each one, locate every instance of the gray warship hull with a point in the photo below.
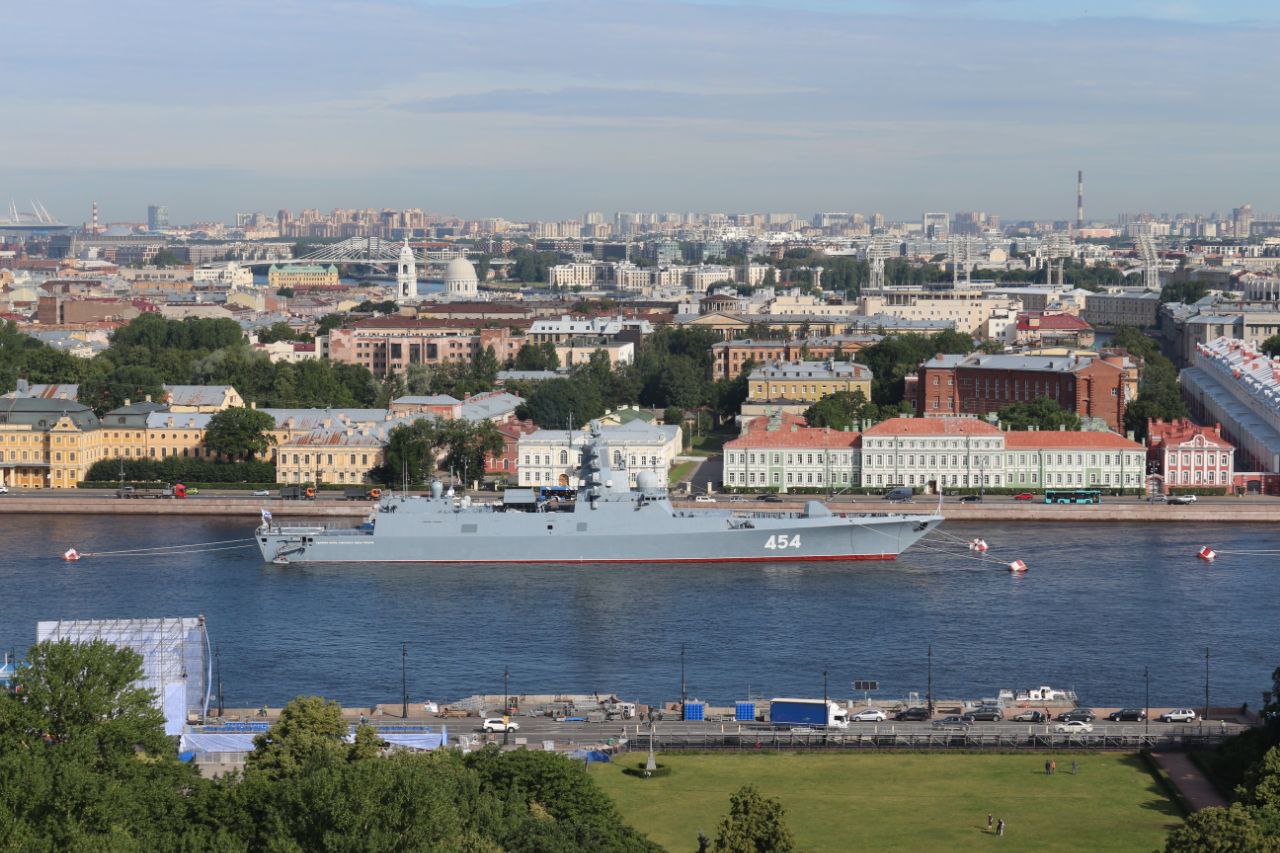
(689, 536)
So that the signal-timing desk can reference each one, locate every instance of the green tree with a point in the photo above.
(846, 410)
(307, 737)
(562, 404)
(281, 331)
(166, 258)
(108, 391)
(541, 356)
(467, 445)
(1271, 346)
(1221, 830)
(754, 824)
(329, 322)
(239, 433)
(1183, 291)
(1042, 413)
(412, 452)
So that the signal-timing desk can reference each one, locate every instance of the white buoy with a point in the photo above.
(1017, 567)
(71, 555)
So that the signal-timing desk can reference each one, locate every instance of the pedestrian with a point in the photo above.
(989, 820)
(1046, 767)
(1074, 767)
(1053, 767)
(1000, 827)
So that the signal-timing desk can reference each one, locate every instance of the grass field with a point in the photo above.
(892, 801)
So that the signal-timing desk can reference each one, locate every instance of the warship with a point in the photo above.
(607, 522)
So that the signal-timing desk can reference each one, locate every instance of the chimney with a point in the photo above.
(127, 401)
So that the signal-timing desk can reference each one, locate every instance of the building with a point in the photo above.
(729, 357)
(980, 384)
(965, 310)
(567, 328)
(157, 217)
(460, 281)
(336, 455)
(966, 453)
(1129, 307)
(1233, 383)
(806, 382)
(1186, 454)
(550, 457)
(782, 453)
(302, 276)
(390, 344)
(47, 443)
(202, 398)
(1051, 329)
(579, 351)
(507, 463)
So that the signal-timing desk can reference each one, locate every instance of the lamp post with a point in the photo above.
(683, 695)
(506, 706)
(1146, 716)
(404, 682)
(217, 665)
(1205, 718)
(929, 688)
(824, 688)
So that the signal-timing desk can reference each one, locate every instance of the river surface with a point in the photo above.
(1100, 603)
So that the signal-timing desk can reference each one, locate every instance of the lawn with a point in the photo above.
(899, 801)
(680, 472)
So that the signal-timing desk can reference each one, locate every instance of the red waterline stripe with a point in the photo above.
(656, 560)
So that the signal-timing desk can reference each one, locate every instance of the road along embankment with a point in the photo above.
(99, 505)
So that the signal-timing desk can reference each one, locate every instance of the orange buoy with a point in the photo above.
(1207, 554)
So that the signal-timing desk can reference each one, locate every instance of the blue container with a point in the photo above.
(695, 710)
(744, 712)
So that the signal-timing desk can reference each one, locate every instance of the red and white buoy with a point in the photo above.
(1207, 554)
(1017, 567)
(978, 545)
(71, 555)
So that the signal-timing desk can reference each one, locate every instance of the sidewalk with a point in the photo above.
(1196, 789)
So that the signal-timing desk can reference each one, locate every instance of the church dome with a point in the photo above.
(459, 269)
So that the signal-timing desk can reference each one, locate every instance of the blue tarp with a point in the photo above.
(590, 755)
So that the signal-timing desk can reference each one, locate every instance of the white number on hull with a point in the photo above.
(783, 541)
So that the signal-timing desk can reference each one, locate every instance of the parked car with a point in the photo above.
(1084, 714)
(902, 494)
(737, 499)
(952, 722)
(1073, 727)
(1127, 715)
(771, 499)
(1031, 717)
(4, 490)
(983, 715)
(497, 724)
(1024, 496)
(970, 499)
(869, 715)
(704, 499)
(910, 715)
(1180, 500)
(1158, 498)
(1178, 715)
(262, 493)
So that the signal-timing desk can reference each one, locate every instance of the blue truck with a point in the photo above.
(808, 712)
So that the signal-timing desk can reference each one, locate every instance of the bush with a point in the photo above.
(639, 772)
(179, 469)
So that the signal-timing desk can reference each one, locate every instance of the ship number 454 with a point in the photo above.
(783, 541)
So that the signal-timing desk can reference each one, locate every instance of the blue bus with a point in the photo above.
(1072, 496)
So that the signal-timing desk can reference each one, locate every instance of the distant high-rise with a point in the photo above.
(1242, 221)
(157, 217)
(1080, 198)
(935, 224)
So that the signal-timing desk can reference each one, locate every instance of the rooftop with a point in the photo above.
(933, 426)
(1067, 440)
(791, 431)
(812, 370)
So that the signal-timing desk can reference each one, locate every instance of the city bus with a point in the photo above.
(1073, 496)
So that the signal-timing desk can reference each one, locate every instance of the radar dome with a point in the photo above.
(646, 481)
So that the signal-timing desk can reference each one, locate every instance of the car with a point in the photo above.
(900, 495)
(983, 715)
(571, 719)
(908, 715)
(770, 499)
(952, 722)
(262, 493)
(1180, 500)
(192, 491)
(1031, 717)
(1158, 498)
(1127, 715)
(4, 490)
(970, 499)
(1081, 714)
(704, 499)
(737, 499)
(1024, 496)
(497, 724)
(1178, 715)
(1073, 727)
(869, 715)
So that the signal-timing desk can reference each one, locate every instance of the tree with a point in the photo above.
(562, 404)
(239, 433)
(307, 737)
(281, 331)
(845, 410)
(166, 258)
(1183, 291)
(1271, 346)
(1043, 413)
(108, 391)
(541, 356)
(468, 445)
(329, 322)
(755, 824)
(286, 292)
(411, 454)
(1221, 830)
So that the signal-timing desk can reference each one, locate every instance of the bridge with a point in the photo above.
(367, 251)
(37, 220)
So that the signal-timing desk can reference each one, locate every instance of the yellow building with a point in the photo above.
(302, 276)
(47, 444)
(806, 381)
(330, 456)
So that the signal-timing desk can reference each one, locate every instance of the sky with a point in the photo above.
(548, 109)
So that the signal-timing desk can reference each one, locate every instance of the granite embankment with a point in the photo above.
(1251, 510)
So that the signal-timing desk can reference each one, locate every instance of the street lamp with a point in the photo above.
(404, 682)
(506, 705)
(683, 694)
(1146, 717)
(217, 664)
(1205, 718)
(824, 688)
(929, 688)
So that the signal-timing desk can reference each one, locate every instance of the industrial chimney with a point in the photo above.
(1079, 199)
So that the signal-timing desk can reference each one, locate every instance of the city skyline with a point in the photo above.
(541, 111)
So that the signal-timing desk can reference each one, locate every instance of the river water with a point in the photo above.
(1100, 603)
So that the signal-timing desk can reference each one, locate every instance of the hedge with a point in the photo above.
(178, 469)
(197, 484)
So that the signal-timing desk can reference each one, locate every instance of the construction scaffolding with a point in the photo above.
(175, 658)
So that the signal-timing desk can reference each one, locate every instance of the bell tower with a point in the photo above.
(406, 275)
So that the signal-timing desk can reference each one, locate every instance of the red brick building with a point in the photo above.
(1188, 455)
(506, 462)
(978, 384)
(390, 344)
(728, 357)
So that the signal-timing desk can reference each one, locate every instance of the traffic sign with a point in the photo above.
(866, 685)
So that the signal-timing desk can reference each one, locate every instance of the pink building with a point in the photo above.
(1188, 455)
